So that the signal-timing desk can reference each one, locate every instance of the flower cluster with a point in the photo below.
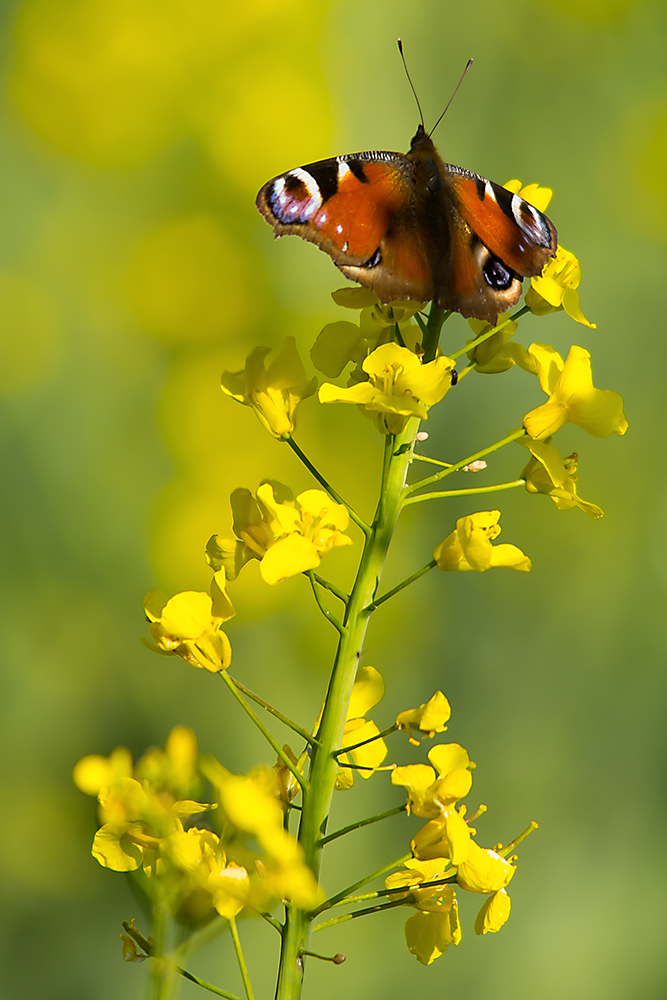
(287, 536)
(446, 856)
(145, 813)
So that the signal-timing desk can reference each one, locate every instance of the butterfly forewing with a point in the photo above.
(510, 227)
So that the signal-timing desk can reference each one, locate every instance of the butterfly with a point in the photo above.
(410, 226)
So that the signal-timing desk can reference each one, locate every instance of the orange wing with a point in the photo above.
(359, 209)
(510, 227)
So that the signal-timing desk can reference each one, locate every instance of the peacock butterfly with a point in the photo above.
(410, 226)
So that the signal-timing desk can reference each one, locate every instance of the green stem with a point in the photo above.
(363, 822)
(240, 959)
(436, 318)
(320, 603)
(263, 730)
(514, 436)
(461, 493)
(341, 897)
(323, 482)
(324, 767)
(406, 583)
(274, 711)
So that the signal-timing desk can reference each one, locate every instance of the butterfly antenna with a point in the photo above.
(468, 65)
(412, 86)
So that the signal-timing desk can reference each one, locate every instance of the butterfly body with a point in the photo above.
(410, 226)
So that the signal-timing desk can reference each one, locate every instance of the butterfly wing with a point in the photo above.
(360, 210)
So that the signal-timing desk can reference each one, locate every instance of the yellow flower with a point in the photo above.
(343, 342)
(135, 813)
(484, 870)
(428, 794)
(538, 196)
(428, 719)
(498, 353)
(494, 913)
(547, 473)
(469, 546)
(399, 386)
(198, 876)
(436, 924)
(367, 691)
(287, 537)
(250, 803)
(189, 625)
(274, 392)
(174, 768)
(556, 288)
(572, 396)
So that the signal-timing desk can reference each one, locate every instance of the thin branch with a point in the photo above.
(263, 730)
(204, 984)
(365, 767)
(341, 896)
(371, 739)
(405, 900)
(336, 591)
(274, 711)
(243, 968)
(433, 461)
(271, 920)
(322, 481)
(514, 436)
(464, 493)
(363, 822)
(359, 913)
(406, 583)
(489, 333)
(148, 945)
(321, 605)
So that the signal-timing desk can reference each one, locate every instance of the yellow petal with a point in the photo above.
(428, 935)
(417, 779)
(371, 755)
(187, 615)
(288, 557)
(367, 691)
(108, 850)
(494, 913)
(510, 557)
(548, 365)
(484, 870)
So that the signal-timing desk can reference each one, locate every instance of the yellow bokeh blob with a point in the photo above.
(30, 337)
(188, 284)
(113, 82)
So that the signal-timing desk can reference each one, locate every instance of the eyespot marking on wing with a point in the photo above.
(295, 197)
(530, 221)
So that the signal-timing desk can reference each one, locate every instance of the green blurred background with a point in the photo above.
(133, 269)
